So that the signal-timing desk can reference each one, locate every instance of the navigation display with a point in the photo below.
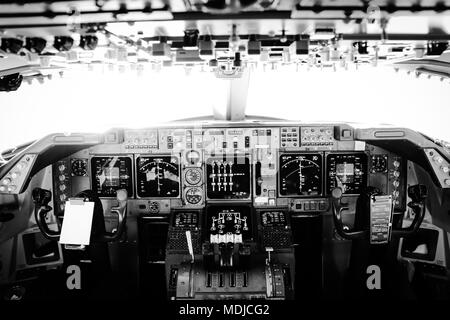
(110, 174)
(347, 171)
(300, 174)
(158, 176)
(228, 177)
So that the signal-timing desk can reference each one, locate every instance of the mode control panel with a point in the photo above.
(317, 136)
(141, 139)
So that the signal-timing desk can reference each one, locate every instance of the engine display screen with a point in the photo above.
(228, 177)
(347, 171)
(158, 176)
(229, 223)
(110, 174)
(273, 218)
(185, 219)
(300, 174)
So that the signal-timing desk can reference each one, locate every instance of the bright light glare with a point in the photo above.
(370, 96)
(101, 99)
(97, 101)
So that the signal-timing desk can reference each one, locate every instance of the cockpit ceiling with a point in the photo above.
(171, 18)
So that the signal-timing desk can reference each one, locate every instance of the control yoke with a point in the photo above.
(121, 211)
(338, 208)
(42, 197)
(417, 193)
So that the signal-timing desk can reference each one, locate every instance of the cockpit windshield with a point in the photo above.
(100, 98)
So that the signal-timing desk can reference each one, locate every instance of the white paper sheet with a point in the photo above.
(77, 223)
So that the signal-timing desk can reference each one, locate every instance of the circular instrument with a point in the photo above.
(79, 168)
(194, 195)
(193, 157)
(379, 164)
(193, 176)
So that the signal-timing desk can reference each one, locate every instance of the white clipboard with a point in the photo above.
(77, 222)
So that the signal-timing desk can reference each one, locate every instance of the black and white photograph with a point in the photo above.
(224, 158)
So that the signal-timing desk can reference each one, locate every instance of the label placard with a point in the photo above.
(380, 219)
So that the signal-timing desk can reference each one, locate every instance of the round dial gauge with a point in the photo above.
(194, 195)
(193, 157)
(193, 176)
(79, 168)
(379, 163)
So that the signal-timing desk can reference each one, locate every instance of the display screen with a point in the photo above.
(110, 174)
(185, 219)
(300, 174)
(112, 177)
(158, 176)
(273, 218)
(228, 177)
(229, 220)
(347, 171)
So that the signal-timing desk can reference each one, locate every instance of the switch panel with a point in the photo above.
(139, 139)
(320, 136)
(290, 137)
(440, 166)
(14, 180)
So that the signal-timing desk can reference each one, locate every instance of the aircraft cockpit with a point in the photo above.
(163, 165)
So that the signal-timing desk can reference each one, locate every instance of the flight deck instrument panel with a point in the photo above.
(110, 174)
(347, 171)
(300, 174)
(158, 176)
(228, 177)
(229, 224)
(194, 167)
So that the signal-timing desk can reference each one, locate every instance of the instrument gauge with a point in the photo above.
(158, 176)
(193, 157)
(347, 171)
(379, 163)
(300, 174)
(79, 167)
(193, 176)
(110, 174)
(194, 195)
